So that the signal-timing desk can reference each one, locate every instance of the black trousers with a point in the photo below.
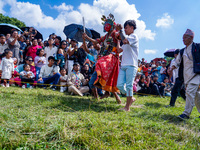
(157, 90)
(177, 89)
(30, 81)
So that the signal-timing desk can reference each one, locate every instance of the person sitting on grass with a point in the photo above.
(157, 88)
(168, 87)
(49, 73)
(63, 80)
(143, 85)
(76, 81)
(27, 76)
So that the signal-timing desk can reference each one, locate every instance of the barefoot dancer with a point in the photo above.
(107, 66)
(129, 62)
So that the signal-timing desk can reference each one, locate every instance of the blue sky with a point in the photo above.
(161, 23)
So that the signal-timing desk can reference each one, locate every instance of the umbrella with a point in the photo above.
(75, 31)
(95, 34)
(7, 28)
(159, 59)
(169, 53)
(37, 36)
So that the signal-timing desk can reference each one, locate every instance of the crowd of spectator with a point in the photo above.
(29, 62)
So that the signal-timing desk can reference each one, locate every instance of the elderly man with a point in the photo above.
(188, 60)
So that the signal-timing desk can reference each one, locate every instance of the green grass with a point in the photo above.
(45, 119)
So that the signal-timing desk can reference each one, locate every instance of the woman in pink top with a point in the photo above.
(33, 49)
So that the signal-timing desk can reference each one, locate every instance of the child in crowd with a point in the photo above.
(7, 68)
(76, 81)
(60, 58)
(163, 71)
(63, 80)
(39, 61)
(27, 76)
(168, 87)
(22, 47)
(49, 73)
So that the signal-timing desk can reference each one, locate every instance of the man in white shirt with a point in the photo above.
(3, 44)
(129, 62)
(49, 73)
(50, 50)
(191, 79)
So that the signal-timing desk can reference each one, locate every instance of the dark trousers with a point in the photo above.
(30, 81)
(175, 90)
(157, 90)
(53, 79)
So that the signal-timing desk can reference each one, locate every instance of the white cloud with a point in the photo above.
(165, 22)
(150, 51)
(1, 7)
(33, 15)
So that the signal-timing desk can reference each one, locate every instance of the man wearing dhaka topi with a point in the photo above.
(188, 61)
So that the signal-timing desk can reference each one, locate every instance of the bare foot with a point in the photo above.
(124, 109)
(132, 100)
(105, 95)
(117, 98)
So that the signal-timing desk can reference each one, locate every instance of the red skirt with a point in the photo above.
(107, 68)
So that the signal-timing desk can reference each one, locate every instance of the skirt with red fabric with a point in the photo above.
(107, 68)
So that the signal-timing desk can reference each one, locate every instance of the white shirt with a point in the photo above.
(47, 71)
(3, 47)
(50, 52)
(23, 73)
(175, 71)
(130, 51)
(188, 72)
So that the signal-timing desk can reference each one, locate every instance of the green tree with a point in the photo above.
(13, 21)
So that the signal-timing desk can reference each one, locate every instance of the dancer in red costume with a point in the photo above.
(107, 66)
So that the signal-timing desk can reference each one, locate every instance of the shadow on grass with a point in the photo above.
(153, 105)
(70, 103)
(171, 118)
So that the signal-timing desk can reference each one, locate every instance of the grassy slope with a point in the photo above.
(39, 118)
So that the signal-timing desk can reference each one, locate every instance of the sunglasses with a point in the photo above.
(30, 60)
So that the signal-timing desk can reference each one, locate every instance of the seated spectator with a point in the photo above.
(85, 71)
(27, 76)
(22, 47)
(168, 87)
(146, 69)
(39, 61)
(49, 73)
(19, 68)
(60, 58)
(76, 81)
(156, 87)
(33, 49)
(143, 85)
(137, 78)
(3, 44)
(63, 80)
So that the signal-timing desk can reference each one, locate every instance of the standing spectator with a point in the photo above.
(50, 50)
(14, 44)
(27, 76)
(57, 41)
(49, 73)
(129, 62)
(3, 44)
(22, 47)
(188, 62)
(60, 58)
(7, 68)
(178, 78)
(163, 71)
(76, 81)
(33, 49)
(28, 45)
(39, 61)
(7, 36)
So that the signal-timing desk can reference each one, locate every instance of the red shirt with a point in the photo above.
(32, 51)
